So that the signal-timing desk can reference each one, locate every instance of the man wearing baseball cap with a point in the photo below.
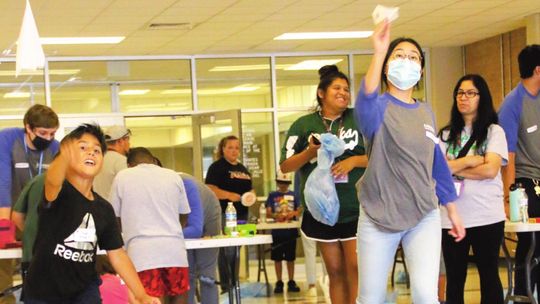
(117, 138)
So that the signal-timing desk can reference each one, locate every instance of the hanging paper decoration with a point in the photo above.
(30, 56)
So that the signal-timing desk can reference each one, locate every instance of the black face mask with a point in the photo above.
(41, 143)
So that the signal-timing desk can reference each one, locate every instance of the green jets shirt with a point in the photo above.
(345, 128)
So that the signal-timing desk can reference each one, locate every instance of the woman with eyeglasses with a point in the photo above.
(406, 178)
(475, 148)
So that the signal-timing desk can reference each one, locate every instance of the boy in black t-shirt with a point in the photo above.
(73, 221)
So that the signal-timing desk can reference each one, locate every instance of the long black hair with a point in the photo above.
(485, 115)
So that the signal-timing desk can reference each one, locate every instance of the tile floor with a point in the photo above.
(472, 287)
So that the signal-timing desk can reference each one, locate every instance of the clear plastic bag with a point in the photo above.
(320, 191)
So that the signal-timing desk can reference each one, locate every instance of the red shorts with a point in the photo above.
(170, 281)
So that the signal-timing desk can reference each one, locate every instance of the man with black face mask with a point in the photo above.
(24, 153)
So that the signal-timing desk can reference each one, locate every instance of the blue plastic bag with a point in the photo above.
(320, 191)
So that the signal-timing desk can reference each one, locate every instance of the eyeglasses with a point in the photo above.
(399, 54)
(468, 94)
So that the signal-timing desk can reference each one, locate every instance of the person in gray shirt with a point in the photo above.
(406, 178)
(519, 116)
(203, 262)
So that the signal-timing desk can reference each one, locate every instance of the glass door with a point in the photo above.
(208, 129)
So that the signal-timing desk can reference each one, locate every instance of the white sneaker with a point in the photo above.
(312, 292)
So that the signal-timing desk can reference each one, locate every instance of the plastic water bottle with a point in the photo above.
(524, 206)
(262, 213)
(515, 197)
(230, 220)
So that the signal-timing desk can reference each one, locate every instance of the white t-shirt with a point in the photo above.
(113, 162)
(481, 201)
(148, 200)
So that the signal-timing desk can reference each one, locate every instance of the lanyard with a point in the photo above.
(40, 166)
(329, 127)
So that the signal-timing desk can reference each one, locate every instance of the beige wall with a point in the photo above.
(495, 58)
(446, 68)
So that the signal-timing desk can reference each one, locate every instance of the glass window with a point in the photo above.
(258, 150)
(154, 85)
(297, 78)
(361, 64)
(169, 138)
(11, 123)
(17, 94)
(233, 83)
(80, 86)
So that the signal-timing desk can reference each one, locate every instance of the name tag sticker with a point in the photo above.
(341, 179)
(532, 129)
(289, 197)
(21, 165)
(432, 136)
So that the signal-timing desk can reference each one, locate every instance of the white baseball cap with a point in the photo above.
(116, 132)
(283, 178)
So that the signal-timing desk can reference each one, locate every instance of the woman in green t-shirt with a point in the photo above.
(337, 243)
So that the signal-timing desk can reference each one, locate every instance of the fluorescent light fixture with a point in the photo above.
(246, 67)
(240, 88)
(82, 40)
(312, 64)
(16, 94)
(160, 106)
(40, 73)
(244, 88)
(323, 35)
(176, 92)
(133, 92)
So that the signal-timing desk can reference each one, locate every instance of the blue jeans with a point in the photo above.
(90, 295)
(376, 250)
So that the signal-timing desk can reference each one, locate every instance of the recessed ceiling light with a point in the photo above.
(133, 92)
(16, 94)
(312, 64)
(82, 40)
(324, 35)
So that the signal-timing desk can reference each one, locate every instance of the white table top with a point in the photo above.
(521, 227)
(228, 242)
(16, 253)
(278, 225)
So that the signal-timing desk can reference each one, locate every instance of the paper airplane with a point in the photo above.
(30, 56)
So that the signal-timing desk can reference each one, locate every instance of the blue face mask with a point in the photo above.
(403, 73)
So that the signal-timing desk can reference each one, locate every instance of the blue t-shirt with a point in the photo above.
(194, 227)
(283, 202)
(19, 164)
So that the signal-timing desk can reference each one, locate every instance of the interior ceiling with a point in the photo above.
(248, 26)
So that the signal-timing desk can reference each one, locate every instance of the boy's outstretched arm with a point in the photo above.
(124, 267)
(56, 174)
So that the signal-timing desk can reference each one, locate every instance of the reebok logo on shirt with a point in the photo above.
(82, 240)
